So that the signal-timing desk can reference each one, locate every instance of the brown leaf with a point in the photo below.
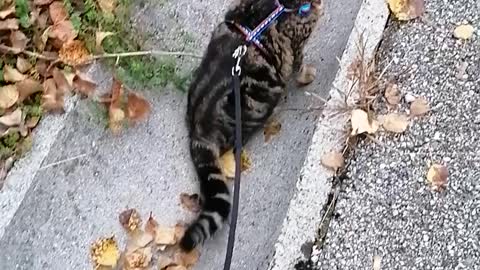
(392, 94)
(12, 119)
(396, 123)
(139, 259)
(63, 32)
(57, 12)
(151, 225)
(164, 262)
(7, 12)
(18, 40)
(107, 6)
(74, 53)
(165, 236)
(405, 10)
(419, 107)
(8, 96)
(179, 232)
(138, 107)
(333, 160)
(138, 239)
(186, 259)
(60, 80)
(271, 129)
(130, 219)
(99, 37)
(27, 88)
(116, 114)
(361, 123)
(42, 2)
(105, 252)
(23, 65)
(190, 202)
(306, 75)
(9, 24)
(51, 99)
(83, 86)
(437, 176)
(11, 74)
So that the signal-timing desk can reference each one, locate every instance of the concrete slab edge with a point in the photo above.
(303, 215)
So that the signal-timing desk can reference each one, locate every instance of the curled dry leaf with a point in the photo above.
(392, 94)
(107, 6)
(60, 80)
(74, 53)
(9, 24)
(138, 107)
(82, 85)
(99, 37)
(333, 160)
(464, 31)
(271, 129)
(190, 202)
(306, 75)
(186, 259)
(27, 88)
(11, 74)
(395, 122)
(437, 176)
(104, 252)
(139, 259)
(57, 12)
(361, 123)
(63, 32)
(18, 40)
(12, 119)
(405, 10)
(419, 107)
(138, 239)
(151, 225)
(52, 100)
(227, 163)
(130, 219)
(165, 236)
(8, 96)
(7, 12)
(23, 65)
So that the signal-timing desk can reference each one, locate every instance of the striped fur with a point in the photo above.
(211, 107)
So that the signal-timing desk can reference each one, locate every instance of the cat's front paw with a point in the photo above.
(306, 75)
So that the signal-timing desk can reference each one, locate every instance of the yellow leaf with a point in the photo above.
(11, 74)
(464, 31)
(130, 219)
(419, 107)
(333, 160)
(165, 235)
(271, 129)
(361, 123)
(227, 163)
(396, 123)
(437, 176)
(405, 10)
(12, 119)
(105, 252)
(8, 96)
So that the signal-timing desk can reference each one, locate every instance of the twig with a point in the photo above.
(29, 53)
(140, 53)
(315, 95)
(61, 161)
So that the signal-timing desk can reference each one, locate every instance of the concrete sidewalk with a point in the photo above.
(386, 207)
(52, 215)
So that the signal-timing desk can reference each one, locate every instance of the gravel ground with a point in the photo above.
(386, 207)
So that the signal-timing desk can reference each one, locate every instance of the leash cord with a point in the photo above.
(236, 71)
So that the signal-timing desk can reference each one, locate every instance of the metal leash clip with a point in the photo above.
(239, 52)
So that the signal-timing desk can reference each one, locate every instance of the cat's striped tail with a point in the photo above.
(215, 195)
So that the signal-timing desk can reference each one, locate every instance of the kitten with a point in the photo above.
(211, 106)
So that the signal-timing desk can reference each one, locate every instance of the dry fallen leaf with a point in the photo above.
(11, 74)
(9, 24)
(42, 2)
(272, 128)
(179, 231)
(186, 259)
(437, 176)
(7, 12)
(151, 225)
(392, 94)
(361, 123)
(115, 113)
(82, 85)
(18, 40)
(74, 53)
(139, 259)
(176, 267)
(405, 10)
(60, 80)
(464, 31)
(227, 163)
(99, 37)
(12, 119)
(57, 12)
(138, 239)
(51, 99)
(138, 107)
(23, 65)
(306, 75)
(419, 107)
(130, 219)
(27, 88)
(190, 202)
(107, 6)
(63, 32)
(105, 252)
(333, 160)
(395, 122)
(164, 262)
(165, 236)
(8, 96)
(32, 122)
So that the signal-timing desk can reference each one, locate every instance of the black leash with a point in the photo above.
(236, 71)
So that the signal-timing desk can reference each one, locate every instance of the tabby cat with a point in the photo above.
(211, 107)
